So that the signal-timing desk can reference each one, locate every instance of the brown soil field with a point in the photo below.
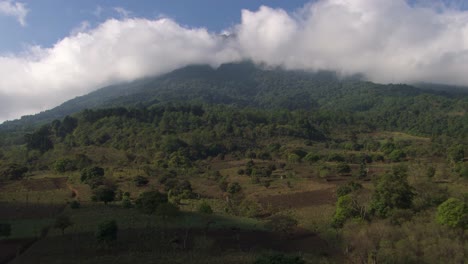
(42, 184)
(300, 199)
(45, 184)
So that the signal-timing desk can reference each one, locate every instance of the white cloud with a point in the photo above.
(388, 41)
(115, 51)
(124, 13)
(82, 27)
(14, 9)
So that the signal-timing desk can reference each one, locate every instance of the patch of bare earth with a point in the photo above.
(300, 199)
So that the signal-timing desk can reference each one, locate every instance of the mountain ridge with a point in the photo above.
(241, 84)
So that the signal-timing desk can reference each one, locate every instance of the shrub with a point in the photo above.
(148, 202)
(140, 181)
(205, 208)
(234, 188)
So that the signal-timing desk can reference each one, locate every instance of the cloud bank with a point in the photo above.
(15, 9)
(387, 41)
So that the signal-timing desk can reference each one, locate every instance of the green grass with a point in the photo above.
(27, 228)
(87, 218)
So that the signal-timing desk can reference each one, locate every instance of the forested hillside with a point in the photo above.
(230, 164)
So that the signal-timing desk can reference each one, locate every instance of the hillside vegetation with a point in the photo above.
(239, 165)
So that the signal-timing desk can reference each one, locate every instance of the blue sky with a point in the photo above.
(48, 21)
(54, 50)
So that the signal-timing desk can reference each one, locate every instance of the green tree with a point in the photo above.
(107, 231)
(205, 208)
(453, 213)
(148, 202)
(64, 165)
(362, 169)
(456, 153)
(311, 157)
(344, 210)
(40, 139)
(14, 171)
(104, 194)
(392, 191)
(343, 168)
(92, 176)
(62, 222)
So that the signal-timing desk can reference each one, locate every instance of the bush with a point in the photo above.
(64, 165)
(14, 171)
(140, 181)
(343, 168)
(234, 188)
(205, 208)
(148, 202)
(104, 193)
(92, 176)
(62, 222)
(126, 202)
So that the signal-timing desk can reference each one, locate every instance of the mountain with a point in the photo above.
(247, 85)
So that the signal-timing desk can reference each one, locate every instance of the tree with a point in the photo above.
(62, 222)
(453, 213)
(396, 155)
(148, 202)
(362, 169)
(311, 157)
(343, 168)
(64, 165)
(104, 194)
(92, 176)
(5, 230)
(456, 153)
(392, 191)
(107, 231)
(344, 210)
(14, 171)
(40, 139)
